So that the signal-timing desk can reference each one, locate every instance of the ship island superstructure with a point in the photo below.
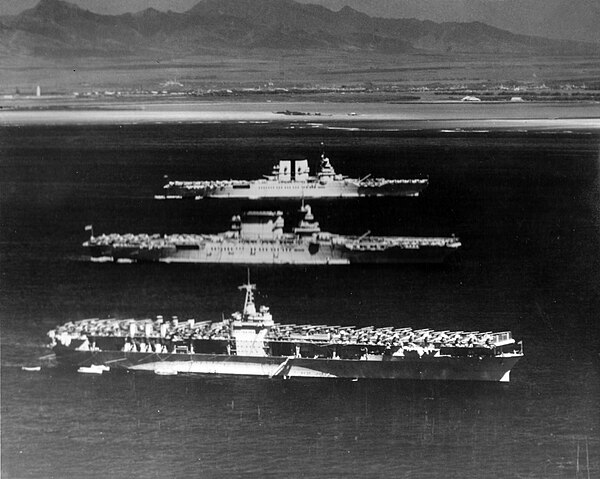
(291, 179)
(251, 343)
(258, 237)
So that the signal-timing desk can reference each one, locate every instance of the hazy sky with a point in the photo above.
(10, 7)
(113, 7)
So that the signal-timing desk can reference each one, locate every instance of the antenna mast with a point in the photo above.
(249, 307)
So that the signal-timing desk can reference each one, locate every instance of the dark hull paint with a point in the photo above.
(401, 255)
(426, 368)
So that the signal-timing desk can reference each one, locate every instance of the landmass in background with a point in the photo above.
(282, 48)
(563, 19)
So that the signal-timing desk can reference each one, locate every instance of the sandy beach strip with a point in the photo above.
(450, 114)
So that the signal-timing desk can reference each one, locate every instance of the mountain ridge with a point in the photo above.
(56, 28)
(558, 19)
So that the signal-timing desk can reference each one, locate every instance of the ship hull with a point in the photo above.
(440, 368)
(296, 191)
(273, 253)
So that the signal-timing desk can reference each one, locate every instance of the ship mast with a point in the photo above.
(249, 308)
(326, 171)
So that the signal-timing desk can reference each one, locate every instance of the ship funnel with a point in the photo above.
(278, 226)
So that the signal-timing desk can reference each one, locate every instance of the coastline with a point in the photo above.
(544, 115)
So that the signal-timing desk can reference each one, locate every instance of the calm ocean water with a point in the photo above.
(525, 204)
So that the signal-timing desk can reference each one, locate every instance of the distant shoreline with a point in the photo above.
(545, 115)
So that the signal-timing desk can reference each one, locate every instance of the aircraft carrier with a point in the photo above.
(251, 343)
(258, 237)
(291, 179)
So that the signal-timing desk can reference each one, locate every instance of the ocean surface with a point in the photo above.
(526, 205)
